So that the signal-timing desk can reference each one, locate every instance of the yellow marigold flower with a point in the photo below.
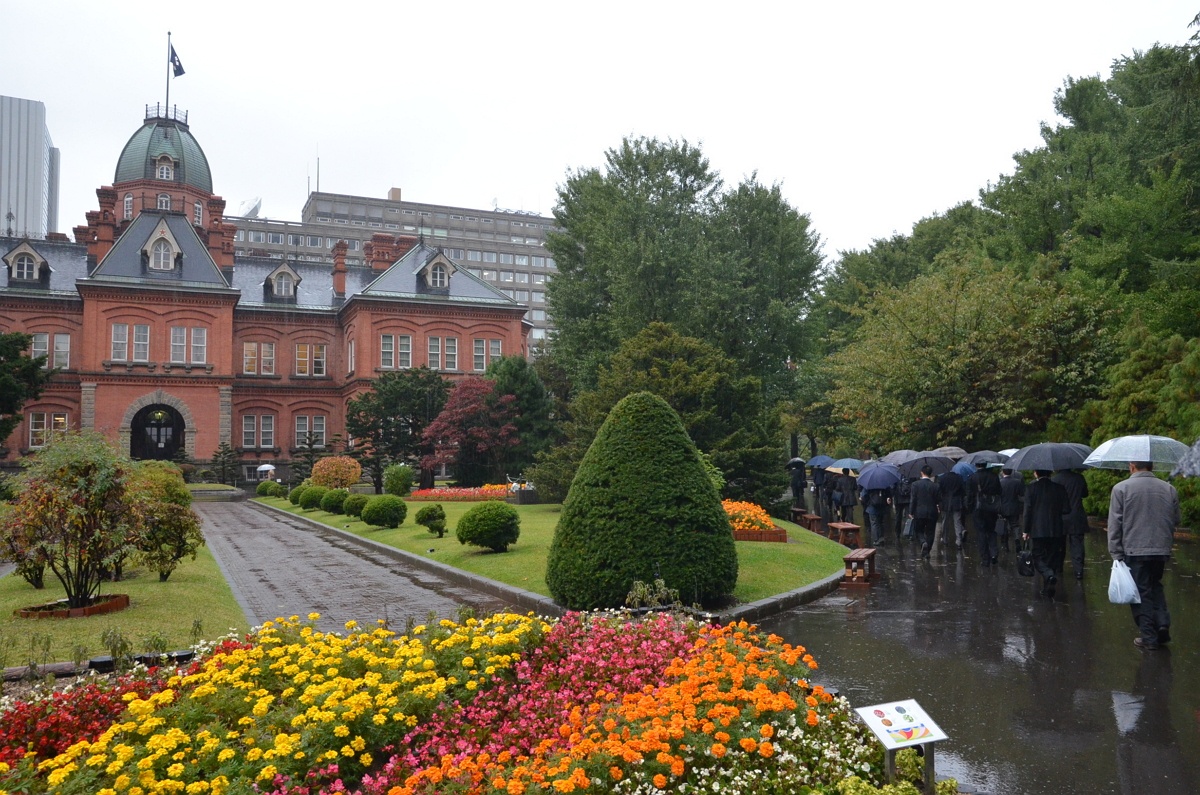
(313, 616)
(106, 791)
(122, 782)
(197, 787)
(254, 754)
(358, 743)
(226, 755)
(366, 759)
(351, 625)
(347, 751)
(175, 770)
(341, 731)
(267, 773)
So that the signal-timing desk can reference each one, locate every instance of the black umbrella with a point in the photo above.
(950, 451)
(898, 457)
(1189, 465)
(939, 463)
(986, 456)
(795, 463)
(1049, 456)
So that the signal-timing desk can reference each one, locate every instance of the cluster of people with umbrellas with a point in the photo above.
(931, 494)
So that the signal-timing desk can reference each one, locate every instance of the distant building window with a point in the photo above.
(267, 360)
(198, 214)
(162, 256)
(42, 424)
(538, 297)
(258, 358)
(494, 351)
(521, 295)
(25, 268)
(316, 242)
(537, 315)
(120, 342)
(451, 353)
(489, 274)
(141, 343)
(178, 345)
(474, 256)
(310, 430)
(258, 430)
(41, 347)
(489, 256)
(275, 238)
(350, 356)
(550, 263)
(537, 334)
(199, 345)
(539, 262)
(310, 360)
(539, 278)
(285, 285)
(128, 206)
(258, 237)
(506, 259)
(387, 351)
(166, 169)
(438, 277)
(506, 276)
(522, 278)
(480, 355)
(164, 201)
(435, 353)
(522, 259)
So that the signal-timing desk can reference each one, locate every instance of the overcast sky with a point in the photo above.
(871, 115)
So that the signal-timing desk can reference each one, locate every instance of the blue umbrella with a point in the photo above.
(820, 461)
(846, 463)
(964, 469)
(879, 476)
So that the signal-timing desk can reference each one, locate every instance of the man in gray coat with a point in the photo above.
(1142, 514)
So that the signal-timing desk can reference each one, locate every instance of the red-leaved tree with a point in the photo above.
(472, 432)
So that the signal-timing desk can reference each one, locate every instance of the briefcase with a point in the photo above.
(1025, 561)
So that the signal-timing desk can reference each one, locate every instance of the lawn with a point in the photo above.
(196, 591)
(764, 569)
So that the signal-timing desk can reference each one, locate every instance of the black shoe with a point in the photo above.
(1051, 581)
(1164, 636)
(1079, 574)
(993, 560)
(1145, 645)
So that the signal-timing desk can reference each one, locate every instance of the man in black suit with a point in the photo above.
(1076, 523)
(1012, 494)
(923, 509)
(1046, 504)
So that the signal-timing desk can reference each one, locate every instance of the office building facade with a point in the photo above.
(29, 169)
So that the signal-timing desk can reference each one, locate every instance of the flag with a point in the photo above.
(176, 64)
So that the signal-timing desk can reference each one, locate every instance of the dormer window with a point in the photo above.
(128, 206)
(285, 285)
(164, 201)
(24, 268)
(438, 276)
(162, 256)
(166, 168)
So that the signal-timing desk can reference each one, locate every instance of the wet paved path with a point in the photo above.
(1038, 696)
(277, 566)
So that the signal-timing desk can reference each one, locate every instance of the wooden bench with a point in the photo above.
(797, 513)
(847, 533)
(813, 522)
(860, 565)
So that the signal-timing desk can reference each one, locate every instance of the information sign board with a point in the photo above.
(900, 724)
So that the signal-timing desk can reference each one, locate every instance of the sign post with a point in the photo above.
(902, 724)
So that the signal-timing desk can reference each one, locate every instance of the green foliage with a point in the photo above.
(354, 504)
(492, 524)
(641, 507)
(225, 464)
(384, 510)
(333, 500)
(296, 493)
(474, 433)
(532, 411)
(388, 421)
(168, 529)
(21, 379)
(311, 498)
(398, 479)
(433, 519)
(264, 489)
(336, 472)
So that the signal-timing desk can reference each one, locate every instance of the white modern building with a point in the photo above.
(29, 166)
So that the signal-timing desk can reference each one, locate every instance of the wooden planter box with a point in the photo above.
(107, 603)
(778, 535)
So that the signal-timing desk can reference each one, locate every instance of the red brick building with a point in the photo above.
(164, 341)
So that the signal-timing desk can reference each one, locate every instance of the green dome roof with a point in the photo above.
(164, 136)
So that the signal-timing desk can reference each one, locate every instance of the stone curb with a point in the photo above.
(544, 605)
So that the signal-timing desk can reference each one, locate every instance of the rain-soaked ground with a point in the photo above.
(1038, 696)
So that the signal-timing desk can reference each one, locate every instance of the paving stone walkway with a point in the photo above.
(278, 566)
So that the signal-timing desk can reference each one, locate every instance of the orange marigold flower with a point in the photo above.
(677, 768)
(616, 773)
(707, 727)
(812, 718)
(812, 702)
(721, 737)
(749, 744)
(766, 749)
(660, 781)
(610, 725)
(767, 731)
(718, 750)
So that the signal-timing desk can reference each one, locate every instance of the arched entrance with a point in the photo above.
(157, 432)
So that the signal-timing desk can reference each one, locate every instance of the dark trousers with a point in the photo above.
(901, 517)
(923, 531)
(879, 522)
(846, 512)
(1048, 555)
(1010, 526)
(985, 530)
(1075, 542)
(1151, 616)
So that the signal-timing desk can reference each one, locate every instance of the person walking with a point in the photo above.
(847, 487)
(1012, 495)
(799, 487)
(818, 483)
(954, 499)
(985, 485)
(923, 509)
(1076, 522)
(900, 494)
(1045, 506)
(1142, 514)
(877, 502)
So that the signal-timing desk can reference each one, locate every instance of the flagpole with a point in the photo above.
(168, 103)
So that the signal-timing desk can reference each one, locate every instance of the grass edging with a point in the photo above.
(542, 605)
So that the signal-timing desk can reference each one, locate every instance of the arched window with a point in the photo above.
(166, 169)
(164, 201)
(198, 215)
(438, 277)
(162, 256)
(24, 268)
(285, 286)
(128, 206)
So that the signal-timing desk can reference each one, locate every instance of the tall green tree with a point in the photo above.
(387, 422)
(21, 379)
(533, 410)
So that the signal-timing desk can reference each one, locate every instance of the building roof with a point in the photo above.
(126, 261)
(406, 279)
(67, 261)
(164, 136)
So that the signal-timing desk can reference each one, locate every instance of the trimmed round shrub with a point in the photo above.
(384, 510)
(433, 519)
(295, 494)
(642, 508)
(333, 500)
(397, 479)
(492, 525)
(264, 489)
(311, 498)
(336, 472)
(353, 504)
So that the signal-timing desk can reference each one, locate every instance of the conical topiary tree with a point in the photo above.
(641, 507)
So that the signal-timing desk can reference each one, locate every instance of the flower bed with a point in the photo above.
(492, 491)
(101, 605)
(751, 523)
(510, 704)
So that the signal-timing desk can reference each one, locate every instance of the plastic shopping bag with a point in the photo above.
(1122, 590)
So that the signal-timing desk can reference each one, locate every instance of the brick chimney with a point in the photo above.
(219, 236)
(105, 222)
(404, 244)
(339, 261)
(379, 251)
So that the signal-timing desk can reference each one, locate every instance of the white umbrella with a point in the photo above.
(266, 468)
(1189, 465)
(1119, 452)
(1008, 451)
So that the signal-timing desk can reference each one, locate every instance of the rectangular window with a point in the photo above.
(62, 351)
(494, 352)
(506, 276)
(301, 430)
(539, 278)
(318, 430)
(506, 259)
(295, 240)
(489, 274)
(539, 262)
(250, 358)
(258, 237)
(275, 238)
(521, 295)
(523, 259)
(509, 293)
(42, 424)
(474, 256)
(475, 272)
(387, 351)
(266, 430)
(310, 359)
(489, 256)
(350, 356)
(178, 345)
(199, 345)
(435, 353)
(249, 430)
(141, 343)
(41, 347)
(120, 342)
(404, 351)
(451, 353)
(522, 278)
(316, 242)
(550, 263)
(537, 315)
(267, 362)
(480, 353)
(538, 297)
